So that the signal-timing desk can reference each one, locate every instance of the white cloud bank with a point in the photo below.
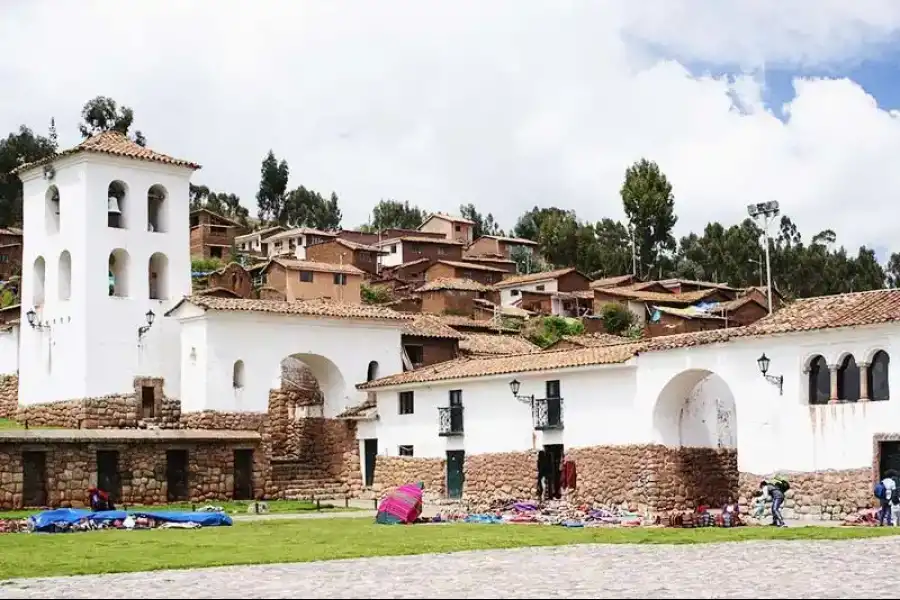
(507, 103)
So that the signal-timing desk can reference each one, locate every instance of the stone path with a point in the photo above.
(844, 569)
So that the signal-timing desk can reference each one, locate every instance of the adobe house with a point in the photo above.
(559, 280)
(233, 278)
(451, 269)
(406, 249)
(10, 252)
(427, 340)
(642, 302)
(407, 274)
(371, 237)
(212, 235)
(294, 242)
(499, 245)
(491, 260)
(452, 228)
(563, 304)
(341, 251)
(308, 280)
(451, 296)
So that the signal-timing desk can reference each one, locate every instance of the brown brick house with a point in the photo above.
(451, 269)
(452, 228)
(10, 252)
(372, 237)
(498, 245)
(234, 278)
(308, 280)
(427, 340)
(341, 251)
(491, 260)
(409, 248)
(212, 235)
(451, 296)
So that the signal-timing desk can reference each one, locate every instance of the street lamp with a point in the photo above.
(768, 211)
(150, 316)
(514, 386)
(763, 363)
(31, 315)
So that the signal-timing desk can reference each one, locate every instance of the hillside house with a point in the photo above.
(451, 296)
(252, 243)
(427, 341)
(452, 228)
(212, 235)
(10, 252)
(451, 269)
(341, 251)
(406, 249)
(308, 280)
(294, 242)
(560, 280)
(497, 245)
(491, 260)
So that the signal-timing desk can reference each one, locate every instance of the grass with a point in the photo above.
(262, 542)
(10, 424)
(232, 508)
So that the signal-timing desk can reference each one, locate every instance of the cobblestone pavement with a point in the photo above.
(842, 569)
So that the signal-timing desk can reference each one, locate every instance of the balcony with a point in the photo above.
(547, 413)
(450, 420)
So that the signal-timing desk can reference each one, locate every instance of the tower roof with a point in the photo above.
(112, 143)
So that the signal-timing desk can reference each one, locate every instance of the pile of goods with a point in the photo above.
(554, 512)
(64, 520)
(13, 525)
(864, 518)
(704, 517)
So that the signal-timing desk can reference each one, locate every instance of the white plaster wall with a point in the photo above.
(91, 347)
(507, 298)
(392, 259)
(337, 350)
(9, 351)
(597, 409)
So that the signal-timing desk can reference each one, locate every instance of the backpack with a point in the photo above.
(781, 484)
(879, 490)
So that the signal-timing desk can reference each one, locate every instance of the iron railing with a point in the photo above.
(450, 420)
(547, 413)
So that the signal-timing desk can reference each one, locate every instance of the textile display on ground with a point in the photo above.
(402, 506)
(72, 519)
(553, 512)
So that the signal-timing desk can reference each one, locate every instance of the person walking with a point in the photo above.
(886, 494)
(776, 490)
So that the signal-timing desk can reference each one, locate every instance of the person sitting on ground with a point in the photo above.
(99, 500)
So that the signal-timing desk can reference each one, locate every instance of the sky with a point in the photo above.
(506, 104)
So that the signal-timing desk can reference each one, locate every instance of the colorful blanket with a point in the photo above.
(403, 505)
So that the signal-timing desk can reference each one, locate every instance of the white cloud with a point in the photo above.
(507, 104)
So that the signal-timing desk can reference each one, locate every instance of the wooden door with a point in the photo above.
(243, 474)
(371, 455)
(456, 478)
(108, 477)
(34, 478)
(177, 475)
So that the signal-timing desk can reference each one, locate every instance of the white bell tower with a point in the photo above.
(106, 253)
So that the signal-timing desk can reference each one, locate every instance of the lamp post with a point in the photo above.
(768, 211)
(150, 316)
(763, 362)
(514, 386)
(33, 321)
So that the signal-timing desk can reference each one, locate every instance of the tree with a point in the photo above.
(483, 225)
(893, 270)
(650, 209)
(529, 224)
(307, 208)
(272, 192)
(102, 114)
(227, 205)
(613, 253)
(390, 214)
(17, 149)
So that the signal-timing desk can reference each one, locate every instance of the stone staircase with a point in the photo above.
(294, 479)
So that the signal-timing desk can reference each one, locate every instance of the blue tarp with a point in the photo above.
(44, 521)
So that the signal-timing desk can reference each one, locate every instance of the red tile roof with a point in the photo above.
(315, 308)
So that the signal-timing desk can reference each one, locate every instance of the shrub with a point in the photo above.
(544, 331)
(375, 294)
(617, 319)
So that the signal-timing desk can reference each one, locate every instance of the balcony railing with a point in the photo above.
(450, 420)
(547, 413)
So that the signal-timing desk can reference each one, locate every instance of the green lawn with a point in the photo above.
(10, 424)
(31, 555)
(232, 508)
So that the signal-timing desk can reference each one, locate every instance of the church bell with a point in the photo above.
(112, 206)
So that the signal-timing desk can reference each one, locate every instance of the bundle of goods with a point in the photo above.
(554, 512)
(13, 525)
(703, 517)
(864, 518)
(69, 519)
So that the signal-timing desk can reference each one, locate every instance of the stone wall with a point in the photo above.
(72, 468)
(9, 396)
(822, 495)
(500, 476)
(393, 471)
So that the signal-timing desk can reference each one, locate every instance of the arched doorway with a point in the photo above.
(695, 418)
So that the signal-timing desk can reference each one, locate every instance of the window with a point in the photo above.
(340, 279)
(215, 252)
(156, 209)
(118, 273)
(216, 230)
(455, 397)
(51, 210)
(441, 250)
(65, 275)
(879, 388)
(467, 275)
(415, 354)
(848, 380)
(117, 205)
(372, 372)
(458, 228)
(237, 375)
(39, 274)
(513, 292)
(394, 249)
(407, 403)
(819, 381)
(195, 221)
(540, 288)
(406, 450)
(553, 389)
(306, 276)
(416, 248)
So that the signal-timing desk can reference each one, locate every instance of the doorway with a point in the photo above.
(108, 478)
(34, 478)
(177, 475)
(554, 464)
(456, 477)
(371, 455)
(148, 402)
(243, 474)
(889, 457)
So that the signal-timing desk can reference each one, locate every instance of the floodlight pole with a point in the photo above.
(768, 211)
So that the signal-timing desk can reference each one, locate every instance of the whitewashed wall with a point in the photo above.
(9, 351)
(507, 298)
(91, 346)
